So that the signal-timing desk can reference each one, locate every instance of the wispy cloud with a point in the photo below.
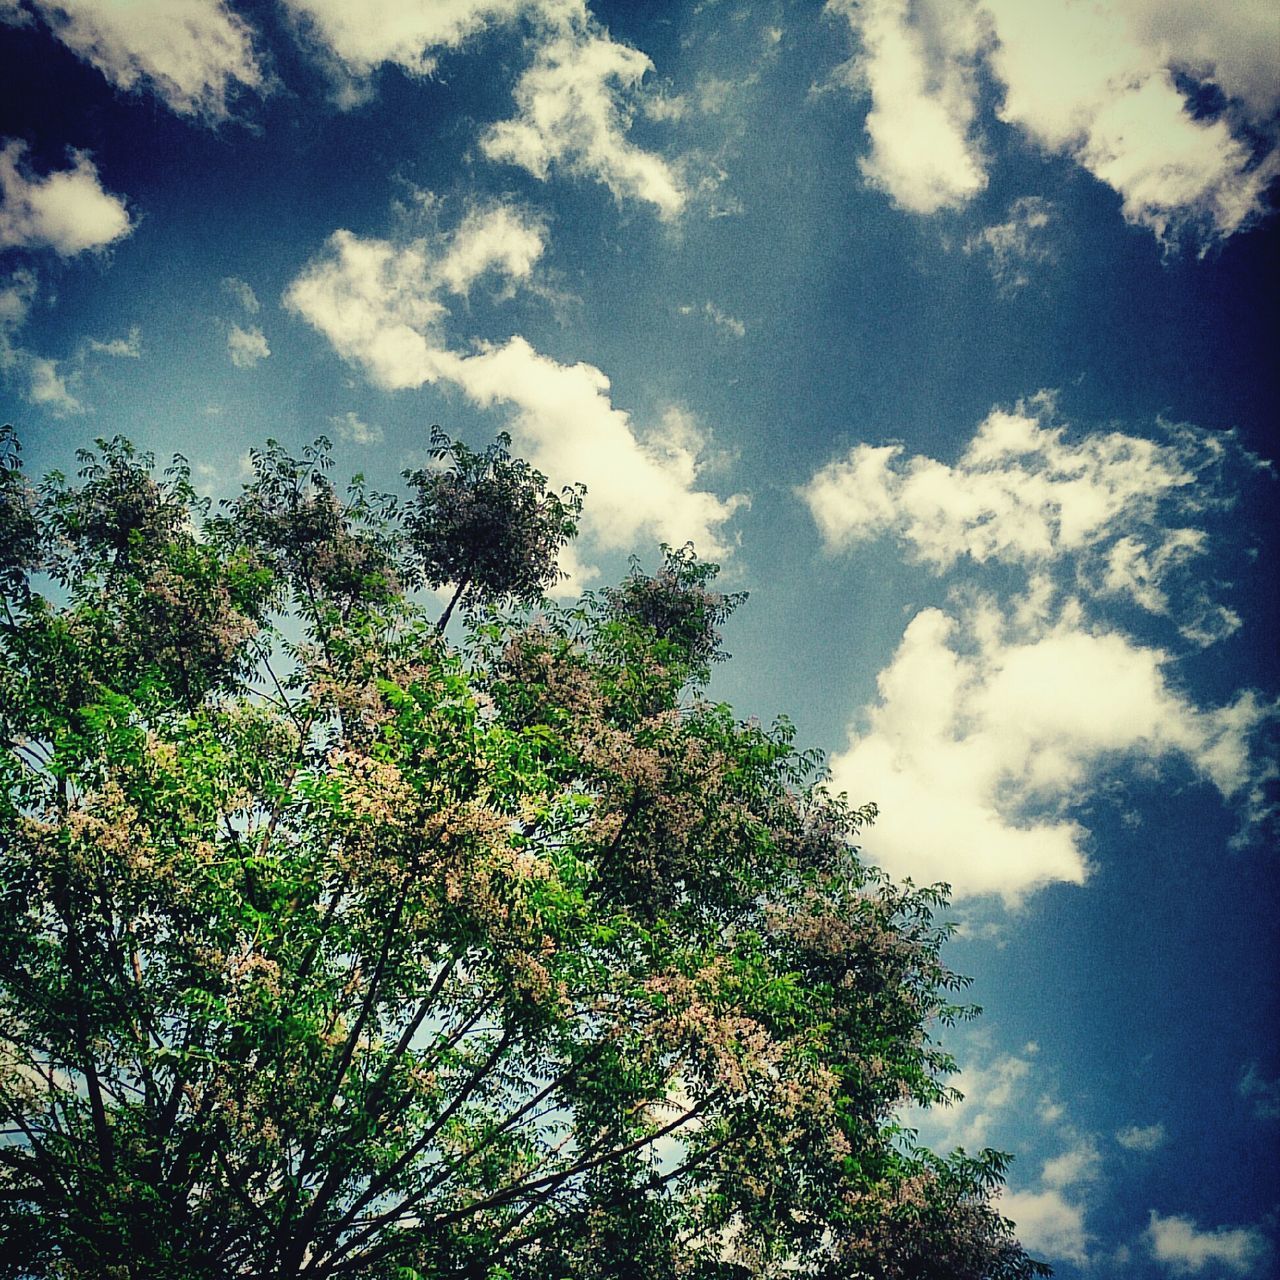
(1135, 1137)
(574, 106)
(194, 55)
(1263, 1093)
(1013, 248)
(246, 347)
(353, 429)
(721, 319)
(1050, 1207)
(241, 293)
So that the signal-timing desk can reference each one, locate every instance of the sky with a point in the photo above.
(948, 327)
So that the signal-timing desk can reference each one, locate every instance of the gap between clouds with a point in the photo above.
(381, 305)
(1100, 84)
(996, 720)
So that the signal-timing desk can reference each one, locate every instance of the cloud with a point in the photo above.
(66, 210)
(1105, 85)
(574, 103)
(1109, 509)
(241, 293)
(1263, 1093)
(129, 348)
(191, 54)
(406, 33)
(379, 305)
(1048, 1223)
(1098, 84)
(246, 347)
(1185, 1250)
(917, 65)
(991, 728)
(1142, 1138)
(42, 382)
(574, 107)
(1013, 247)
(721, 319)
(352, 429)
(999, 1093)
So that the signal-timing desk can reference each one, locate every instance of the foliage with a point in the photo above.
(487, 523)
(327, 949)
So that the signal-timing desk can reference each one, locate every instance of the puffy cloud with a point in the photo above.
(407, 33)
(1142, 1137)
(190, 53)
(1011, 248)
(1108, 506)
(1185, 1250)
(917, 64)
(66, 210)
(1097, 82)
(573, 111)
(989, 729)
(574, 102)
(379, 305)
(246, 347)
(1100, 83)
(1048, 1223)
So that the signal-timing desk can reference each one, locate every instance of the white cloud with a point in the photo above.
(1051, 1209)
(129, 348)
(1108, 507)
(246, 347)
(1011, 248)
(1048, 1223)
(378, 304)
(917, 64)
(407, 33)
(42, 382)
(574, 107)
(1098, 83)
(991, 729)
(1185, 1250)
(574, 102)
(241, 293)
(66, 210)
(354, 430)
(190, 53)
(721, 319)
(1142, 1137)
(492, 240)
(1087, 81)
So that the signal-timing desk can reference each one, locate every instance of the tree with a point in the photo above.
(486, 523)
(328, 949)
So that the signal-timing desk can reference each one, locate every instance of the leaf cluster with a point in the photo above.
(330, 949)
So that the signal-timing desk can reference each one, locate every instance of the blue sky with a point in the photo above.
(948, 328)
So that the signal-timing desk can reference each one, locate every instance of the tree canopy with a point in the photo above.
(331, 948)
